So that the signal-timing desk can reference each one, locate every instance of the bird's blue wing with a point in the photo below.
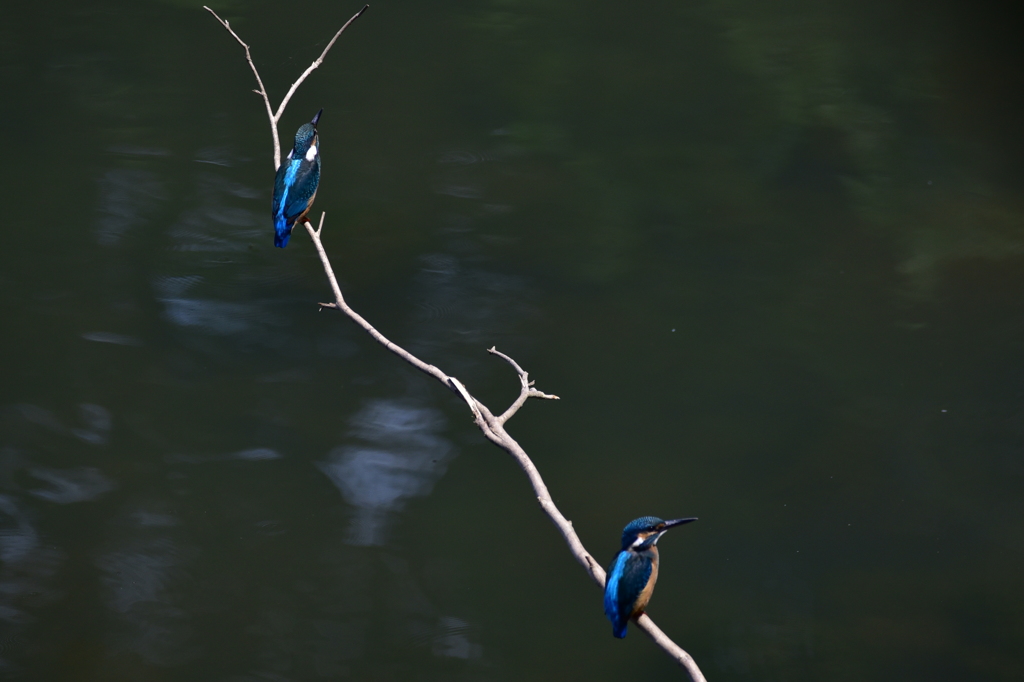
(306, 180)
(627, 577)
(279, 187)
(612, 588)
(294, 189)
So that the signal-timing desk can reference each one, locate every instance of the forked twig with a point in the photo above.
(526, 387)
(262, 92)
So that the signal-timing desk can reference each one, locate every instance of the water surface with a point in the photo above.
(769, 256)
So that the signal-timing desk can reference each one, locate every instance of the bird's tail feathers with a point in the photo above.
(282, 232)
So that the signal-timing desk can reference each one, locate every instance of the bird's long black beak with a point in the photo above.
(679, 522)
(316, 118)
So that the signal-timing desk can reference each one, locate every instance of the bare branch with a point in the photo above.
(492, 427)
(315, 64)
(494, 430)
(262, 92)
(519, 370)
(684, 659)
(470, 400)
(340, 304)
(524, 394)
(526, 391)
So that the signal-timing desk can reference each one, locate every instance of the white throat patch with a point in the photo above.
(641, 540)
(311, 153)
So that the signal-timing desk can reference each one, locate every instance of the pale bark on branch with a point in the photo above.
(492, 426)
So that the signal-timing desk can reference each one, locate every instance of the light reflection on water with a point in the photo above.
(71, 485)
(399, 453)
(217, 301)
(141, 580)
(26, 566)
(128, 197)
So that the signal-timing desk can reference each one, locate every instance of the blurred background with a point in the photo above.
(770, 255)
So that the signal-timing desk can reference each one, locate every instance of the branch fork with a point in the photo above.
(527, 391)
(275, 116)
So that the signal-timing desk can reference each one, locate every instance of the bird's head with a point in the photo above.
(306, 138)
(643, 533)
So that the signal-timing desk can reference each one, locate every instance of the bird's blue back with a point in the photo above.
(296, 183)
(627, 577)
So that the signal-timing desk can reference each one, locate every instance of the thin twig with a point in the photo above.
(340, 304)
(684, 659)
(515, 365)
(262, 92)
(526, 390)
(316, 64)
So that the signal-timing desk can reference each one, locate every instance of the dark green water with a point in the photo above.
(770, 255)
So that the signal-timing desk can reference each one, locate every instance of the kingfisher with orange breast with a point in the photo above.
(634, 570)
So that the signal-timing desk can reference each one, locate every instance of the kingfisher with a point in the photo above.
(634, 570)
(296, 182)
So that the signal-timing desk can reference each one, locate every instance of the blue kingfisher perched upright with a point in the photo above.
(634, 571)
(296, 182)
